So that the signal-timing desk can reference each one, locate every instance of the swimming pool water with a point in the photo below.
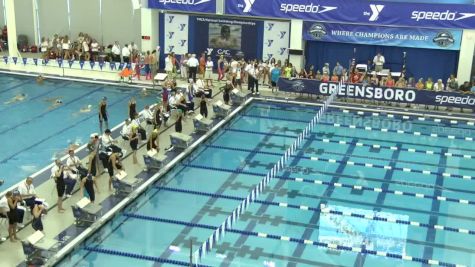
(414, 178)
(32, 134)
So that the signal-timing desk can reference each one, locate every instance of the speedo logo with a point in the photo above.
(447, 15)
(467, 100)
(183, 2)
(286, 8)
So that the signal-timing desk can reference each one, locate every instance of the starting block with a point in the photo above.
(238, 97)
(180, 140)
(202, 124)
(220, 109)
(153, 160)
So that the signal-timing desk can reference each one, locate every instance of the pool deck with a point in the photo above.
(61, 226)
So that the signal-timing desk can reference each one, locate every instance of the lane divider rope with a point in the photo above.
(218, 233)
(361, 250)
(324, 210)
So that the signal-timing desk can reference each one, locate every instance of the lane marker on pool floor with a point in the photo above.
(352, 163)
(362, 250)
(324, 210)
(352, 187)
(352, 126)
(139, 256)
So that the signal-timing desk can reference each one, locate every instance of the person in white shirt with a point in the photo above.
(192, 67)
(134, 49)
(126, 54)
(209, 72)
(62, 176)
(148, 115)
(125, 132)
(169, 66)
(94, 49)
(172, 100)
(44, 45)
(253, 77)
(439, 86)
(75, 166)
(27, 192)
(116, 52)
(66, 45)
(107, 139)
(378, 62)
(85, 49)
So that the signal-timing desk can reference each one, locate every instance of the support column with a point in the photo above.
(466, 56)
(34, 4)
(11, 24)
(296, 42)
(149, 27)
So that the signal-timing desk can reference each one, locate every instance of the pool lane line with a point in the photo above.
(395, 148)
(299, 241)
(382, 118)
(323, 209)
(15, 86)
(343, 136)
(3, 161)
(356, 187)
(351, 126)
(51, 110)
(382, 113)
(352, 163)
(140, 257)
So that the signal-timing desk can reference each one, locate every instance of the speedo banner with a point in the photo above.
(379, 93)
(360, 11)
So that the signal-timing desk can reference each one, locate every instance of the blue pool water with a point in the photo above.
(32, 134)
(317, 198)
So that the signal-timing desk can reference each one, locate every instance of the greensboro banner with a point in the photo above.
(380, 93)
(379, 35)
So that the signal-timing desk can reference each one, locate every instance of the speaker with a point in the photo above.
(296, 52)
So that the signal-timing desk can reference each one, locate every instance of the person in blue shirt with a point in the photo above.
(338, 70)
(275, 75)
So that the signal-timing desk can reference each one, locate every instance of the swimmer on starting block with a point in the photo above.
(17, 98)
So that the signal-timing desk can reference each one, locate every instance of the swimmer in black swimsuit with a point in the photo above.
(56, 104)
(58, 175)
(132, 108)
(88, 183)
(103, 113)
(134, 141)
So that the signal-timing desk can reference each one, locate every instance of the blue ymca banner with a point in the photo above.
(378, 35)
(380, 93)
(359, 11)
(204, 6)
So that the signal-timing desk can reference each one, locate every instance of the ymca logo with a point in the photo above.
(249, 4)
(170, 48)
(170, 19)
(182, 42)
(269, 43)
(282, 51)
(170, 35)
(269, 56)
(182, 26)
(375, 11)
(270, 26)
(209, 51)
(282, 34)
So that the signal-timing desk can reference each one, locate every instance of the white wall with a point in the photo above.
(24, 19)
(120, 22)
(466, 56)
(296, 42)
(2, 17)
(85, 17)
(53, 18)
(149, 26)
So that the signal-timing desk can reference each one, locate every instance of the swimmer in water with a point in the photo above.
(40, 79)
(144, 92)
(17, 98)
(55, 103)
(85, 109)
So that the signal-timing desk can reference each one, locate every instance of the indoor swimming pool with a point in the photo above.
(368, 188)
(33, 133)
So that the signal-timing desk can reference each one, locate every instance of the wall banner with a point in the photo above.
(379, 35)
(359, 11)
(176, 34)
(205, 6)
(380, 93)
(276, 40)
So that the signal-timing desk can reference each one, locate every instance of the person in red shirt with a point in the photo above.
(325, 78)
(5, 33)
(334, 77)
(390, 81)
(355, 77)
(202, 65)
